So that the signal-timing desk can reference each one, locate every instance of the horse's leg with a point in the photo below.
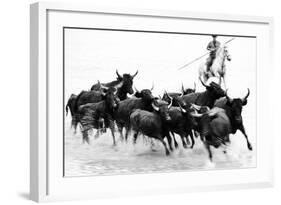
(219, 80)
(242, 129)
(224, 83)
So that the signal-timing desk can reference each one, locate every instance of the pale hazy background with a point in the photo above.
(92, 55)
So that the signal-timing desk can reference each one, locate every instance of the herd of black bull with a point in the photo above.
(212, 114)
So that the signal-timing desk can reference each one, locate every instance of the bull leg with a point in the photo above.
(85, 136)
(209, 151)
(127, 133)
(152, 145)
(192, 139)
(112, 129)
(165, 145)
(97, 134)
(135, 137)
(169, 141)
(120, 130)
(187, 139)
(242, 129)
(182, 135)
(223, 78)
(175, 141)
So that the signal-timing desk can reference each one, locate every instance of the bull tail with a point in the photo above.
(66, 109)
(76, 116)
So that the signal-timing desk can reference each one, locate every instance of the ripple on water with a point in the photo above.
(100, 157)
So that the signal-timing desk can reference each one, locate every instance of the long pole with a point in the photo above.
(196, 59)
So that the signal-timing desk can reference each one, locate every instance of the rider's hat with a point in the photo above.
(214, 36)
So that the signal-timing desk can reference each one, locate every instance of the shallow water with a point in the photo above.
(100, 157)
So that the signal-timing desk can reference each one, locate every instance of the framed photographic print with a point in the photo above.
(129, 102)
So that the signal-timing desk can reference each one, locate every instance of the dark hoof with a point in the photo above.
(176, 146)
(250, 147)
(224, 151)
(167, 153)
(191, 146)
(185, 146)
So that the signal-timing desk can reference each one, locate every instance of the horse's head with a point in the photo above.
(226, 53)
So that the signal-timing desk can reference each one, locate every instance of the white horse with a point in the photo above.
(217, 69)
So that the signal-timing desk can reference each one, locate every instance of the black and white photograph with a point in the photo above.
(153, 102)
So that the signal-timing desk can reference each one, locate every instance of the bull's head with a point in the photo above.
(127, 80)
(109, 96)
(176, 100)
(187, 90)
(236, 106)
(226, 53)
(145, 94)
(215, 89)
(162, 107)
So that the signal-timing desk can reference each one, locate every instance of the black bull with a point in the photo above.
(122, 91)
(152, 124)
(233, 109)
(206, 98)
(89, 115)
(142, 100)
(225, 118)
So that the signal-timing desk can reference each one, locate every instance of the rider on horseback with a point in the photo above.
(213, 46)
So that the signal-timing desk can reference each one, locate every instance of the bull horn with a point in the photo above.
(247, 95)
(118, 85)
(170, 105)
(182, 88)
(135, 74)
(227, 97)
(182, 109)
(197, 115)
(194, 86)
(168, 95)
(196, 107)
(136, 89)
(102, 86)
(152, 87)
(118, 75)
(203, 82)
(155, 107)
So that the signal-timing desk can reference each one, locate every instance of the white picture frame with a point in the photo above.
(46, 181)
